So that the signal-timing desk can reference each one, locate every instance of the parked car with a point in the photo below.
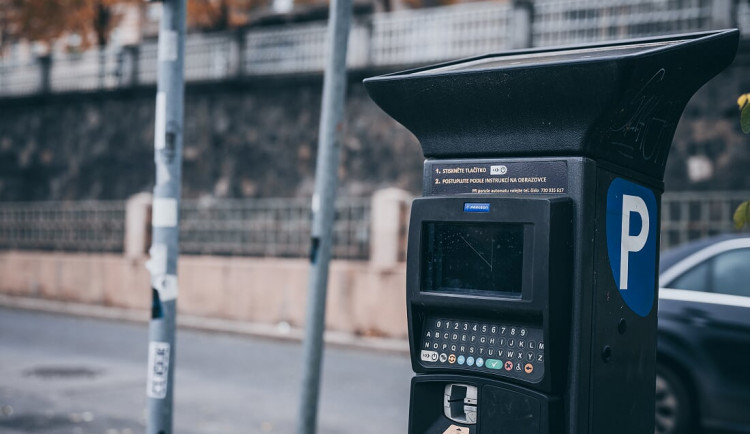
(703, 351)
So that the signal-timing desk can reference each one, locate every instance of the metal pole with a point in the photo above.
(326, 170)
(165, 217)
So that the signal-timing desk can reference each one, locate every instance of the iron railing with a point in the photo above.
(431, 35)
(743, 18)
(81, 226)
(565, 22)
(258, 227)
(687, 216)
(394, 39)
(270, 227)
(281, 227)
(19, 78)
(88, 70)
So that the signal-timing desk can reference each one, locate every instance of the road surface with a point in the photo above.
(62, 374)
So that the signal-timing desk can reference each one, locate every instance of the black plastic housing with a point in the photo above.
(541, 137)
(620, 105)
(546, 275)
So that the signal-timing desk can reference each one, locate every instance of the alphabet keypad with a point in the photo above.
(499, 348)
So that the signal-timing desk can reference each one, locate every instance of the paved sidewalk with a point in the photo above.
(279, 332)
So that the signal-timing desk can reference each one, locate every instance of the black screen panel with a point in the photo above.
(473, 257)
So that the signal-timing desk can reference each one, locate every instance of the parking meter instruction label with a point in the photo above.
(488, 177)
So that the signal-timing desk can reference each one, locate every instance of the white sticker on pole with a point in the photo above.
(315, 203)
(164, 213)
(166, 286)
(158, 370)
(157, 264)
(160, 124)
(168, 46)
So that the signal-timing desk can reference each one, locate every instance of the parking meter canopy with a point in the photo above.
(616, 102)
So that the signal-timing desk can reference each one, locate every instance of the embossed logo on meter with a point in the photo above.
(498, 177)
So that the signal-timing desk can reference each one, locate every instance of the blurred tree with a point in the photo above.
(47, 21)
(221, 14)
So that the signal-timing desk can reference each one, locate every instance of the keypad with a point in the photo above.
(503, 349)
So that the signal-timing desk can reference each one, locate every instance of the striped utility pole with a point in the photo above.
(165, 217)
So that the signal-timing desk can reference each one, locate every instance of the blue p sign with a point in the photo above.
(631, 243)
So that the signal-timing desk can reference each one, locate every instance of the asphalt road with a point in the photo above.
(61, 374)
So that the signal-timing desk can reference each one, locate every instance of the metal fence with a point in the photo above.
(259, 227)
(281, 227)
(430, 35)
(393, 39)
(743, 18)
(299, 49)
(19, 78)
(687, 216)
(95, 226)
(88, 70)
(564, 22)
(270, 227)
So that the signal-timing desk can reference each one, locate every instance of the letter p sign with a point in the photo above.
(631, 243)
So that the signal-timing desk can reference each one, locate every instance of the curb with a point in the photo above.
(282, 332)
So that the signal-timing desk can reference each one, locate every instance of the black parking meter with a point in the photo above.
(532, 257)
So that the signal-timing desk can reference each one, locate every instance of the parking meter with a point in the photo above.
(532, 257)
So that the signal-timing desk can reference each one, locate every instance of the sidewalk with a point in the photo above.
(281, 331)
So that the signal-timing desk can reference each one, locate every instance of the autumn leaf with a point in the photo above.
(743, 100)
(742, 215)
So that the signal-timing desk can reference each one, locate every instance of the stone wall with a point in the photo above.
(257, 138)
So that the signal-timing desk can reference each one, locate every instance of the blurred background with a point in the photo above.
(77, 99)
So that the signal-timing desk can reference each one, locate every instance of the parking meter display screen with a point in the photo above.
(484, 258)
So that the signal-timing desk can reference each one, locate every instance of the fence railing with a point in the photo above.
(743, 18)
(687, 216)
(270, 227)
(88, 70)
(281, 227)
(564, 22)
(86, 226)
(394, 39)
(431, 35)
(261, 227)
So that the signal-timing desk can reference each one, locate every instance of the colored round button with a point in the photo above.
(508, 365)
(480, 362)
(461, 360)
(452, 359)
(529, 368)
(470, 361)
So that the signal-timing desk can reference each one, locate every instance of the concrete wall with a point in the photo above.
(363, 300)
(364, 297)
